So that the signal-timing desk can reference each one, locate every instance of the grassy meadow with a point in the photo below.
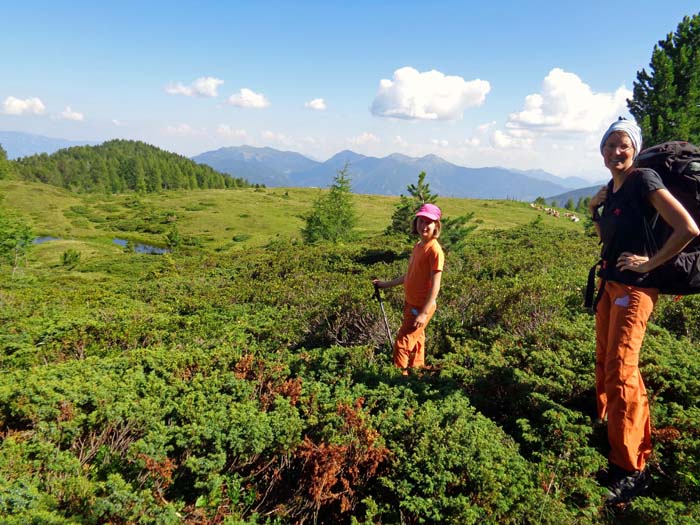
(219, 219)
(244, 378)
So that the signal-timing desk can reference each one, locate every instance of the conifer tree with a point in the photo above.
(333, 216)
(455, 230)
(15, 239)
(666, 101)
(408, 206)
(4, 164)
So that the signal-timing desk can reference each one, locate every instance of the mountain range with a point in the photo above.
(388, 175)
(18, 144)
(561, 199)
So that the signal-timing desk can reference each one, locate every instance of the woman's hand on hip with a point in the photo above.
(632, 262)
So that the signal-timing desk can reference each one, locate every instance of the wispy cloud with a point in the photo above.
(16, 106)
(201, 87)
(484, 128)
(318, 104)
(431, 95)
(511, 140)
(226, 131)
(399, 141)
(247, 98)
(279, 138)
(69, 114)
(364, 138)
(181, 130)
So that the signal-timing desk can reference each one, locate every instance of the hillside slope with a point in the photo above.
(121, 165)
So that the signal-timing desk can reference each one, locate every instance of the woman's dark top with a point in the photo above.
(622, 224)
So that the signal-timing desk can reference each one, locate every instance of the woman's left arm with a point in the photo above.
(684, 231)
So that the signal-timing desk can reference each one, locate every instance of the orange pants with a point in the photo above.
(409, 347)
(621, 320)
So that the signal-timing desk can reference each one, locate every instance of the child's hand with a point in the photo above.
(420, 320)
(378, 283)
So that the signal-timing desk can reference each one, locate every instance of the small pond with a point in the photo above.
(41, 240)
(138, 247)
(142, 248)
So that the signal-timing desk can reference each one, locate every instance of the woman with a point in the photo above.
(624, 303)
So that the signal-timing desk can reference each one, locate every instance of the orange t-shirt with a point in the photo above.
(425, 259)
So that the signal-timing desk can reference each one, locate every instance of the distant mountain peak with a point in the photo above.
(346, 157)
(434, 159)
(348, 153)
(400, 157)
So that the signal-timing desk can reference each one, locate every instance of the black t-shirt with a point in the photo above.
(622, 225)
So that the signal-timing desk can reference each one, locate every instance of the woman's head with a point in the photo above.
(621, 144)
(427, 214)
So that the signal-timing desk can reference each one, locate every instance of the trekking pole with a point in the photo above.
(378, 296)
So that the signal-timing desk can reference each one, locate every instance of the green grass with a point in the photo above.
(220, 219)
(228, 368)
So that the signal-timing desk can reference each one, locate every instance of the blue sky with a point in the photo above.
(523, 85)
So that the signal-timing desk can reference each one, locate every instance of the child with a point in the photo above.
(421, 286)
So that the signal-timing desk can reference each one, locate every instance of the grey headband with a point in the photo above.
(633, 132)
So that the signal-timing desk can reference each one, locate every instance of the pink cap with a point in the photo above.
(429, 211)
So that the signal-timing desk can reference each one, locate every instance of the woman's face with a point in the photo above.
(618, 152)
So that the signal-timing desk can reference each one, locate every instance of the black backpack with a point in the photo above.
(678, 165)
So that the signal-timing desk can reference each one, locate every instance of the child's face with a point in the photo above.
(426, 228)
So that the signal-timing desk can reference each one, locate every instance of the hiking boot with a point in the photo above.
(626, 485)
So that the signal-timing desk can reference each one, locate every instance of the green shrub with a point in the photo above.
(70, 258)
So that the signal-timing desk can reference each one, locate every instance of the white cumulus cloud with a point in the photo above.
(472, 142)
(247, 98)
(318, 104)
(201, 87)
(431, 95)
(564, 106)
(228, 132)
(16, 106)
(69, 114)
(440, 142)
(567, 104)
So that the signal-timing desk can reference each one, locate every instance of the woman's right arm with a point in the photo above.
(596, 202)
